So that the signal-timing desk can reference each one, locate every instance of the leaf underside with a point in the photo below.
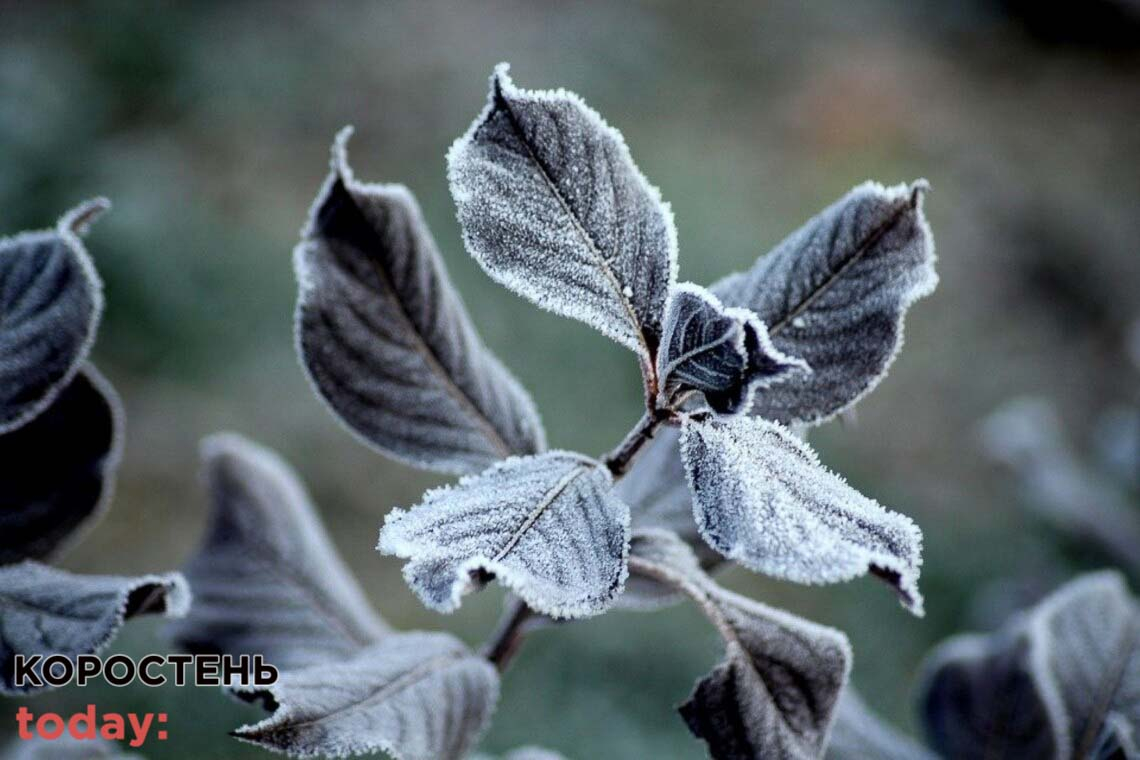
(553, 207)
(548, 527)
(267, 579)
(48, 611)
(761, 498)
(58, 469)
(834, 293)
(386, 339)
(50, 302)
(416, 696)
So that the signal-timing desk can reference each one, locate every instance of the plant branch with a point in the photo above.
(504, 644)
(621, 458)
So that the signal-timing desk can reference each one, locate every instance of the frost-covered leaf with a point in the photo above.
(859, 734)
(835, 292)
(50, 303)
(267, 579)
(387, 341)
(48, 611)
(723, 353)
(416, 696)
(549, 527)
(553, 207)
(58, 469)
(979, 700)
(1062, 680)
(661, 547)
(1086, 653)
(775, 693)
(761, 498)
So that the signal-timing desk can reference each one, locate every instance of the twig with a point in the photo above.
(508, 637)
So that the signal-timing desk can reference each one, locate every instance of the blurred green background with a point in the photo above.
(208, 125)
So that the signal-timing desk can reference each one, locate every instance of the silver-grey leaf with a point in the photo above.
(59, 469)
(549, 527)
(859, 734)
(835, 293)
(553, 207)
(386, 340)
(644, 593)
(775, 693)
(50, 302)
(1086, 654)
(723, 353)
(266, 578)
(416, 696)
(48, 611)
(762, 499)
(979, 700)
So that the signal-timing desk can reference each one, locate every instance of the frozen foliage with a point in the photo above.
(548, 527)
(859, 734)
(267, 579)
(775, 693)
(834, 293)
(1060, 681)
(723, 353)
(48, 611)
(50, 303)
(59, 469)
(1026, 436)
(416, 696)
(553, 207)
(761, 498)
(386, 340)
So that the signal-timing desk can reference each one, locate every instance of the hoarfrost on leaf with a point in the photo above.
(59, 469)
(548, 526)
(835, 292)
(723, 353)
(553, 207)
(416, 696)
(386, 340)
(761, 498)
(267, 579)
(48, 611)
(50, 302)
(775, 693)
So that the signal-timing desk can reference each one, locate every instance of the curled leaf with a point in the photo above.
(267, 579)
(387, 341)
(835, 292)
(723, 353)
(50, 302)
(761, 498)
(775, 693)
(416, 696)
(48, 611)
(59, 469)
(553, 207)
(548, 527)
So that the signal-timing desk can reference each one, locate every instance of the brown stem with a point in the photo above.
(508, 637)
(619, 460)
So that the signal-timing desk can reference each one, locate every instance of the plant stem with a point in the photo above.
(619, 460)
(508, 637)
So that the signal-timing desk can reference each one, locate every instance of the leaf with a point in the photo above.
(48, 611)
(1086, 652)
(50, 302)
(386, 340)
(523, 753)
(723, 353)
(553, 207)
(775, 693)
(761, 498)
(835, 292)
(413, 695)
(979, 700)
(59, 470)
(548, 527)
(858, 734)
(266, 578)
(65, 747)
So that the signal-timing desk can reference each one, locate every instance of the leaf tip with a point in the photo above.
(78, 220)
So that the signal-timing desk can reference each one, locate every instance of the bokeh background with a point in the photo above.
(208, 125)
